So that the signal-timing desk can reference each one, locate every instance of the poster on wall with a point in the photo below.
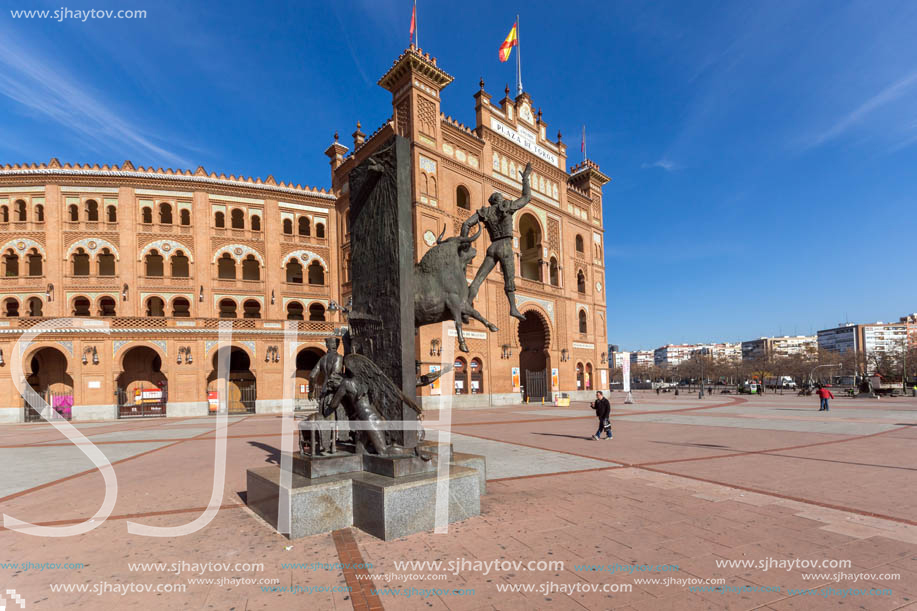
(435, 387)
(625, 370)
(555, 382)
(213, 400)
(604, 378)
(517, 385)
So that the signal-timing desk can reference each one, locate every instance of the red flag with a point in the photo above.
(413, 20)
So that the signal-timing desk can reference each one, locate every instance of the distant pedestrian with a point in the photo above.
(603, 412)
(824, 394)
(657, 389)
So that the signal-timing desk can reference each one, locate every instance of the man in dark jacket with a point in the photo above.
(603, 412)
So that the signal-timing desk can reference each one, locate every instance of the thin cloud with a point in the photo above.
(47, 90)
(884, 97)
(665, 164)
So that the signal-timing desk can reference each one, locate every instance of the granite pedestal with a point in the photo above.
(385, 506)
(316, 505)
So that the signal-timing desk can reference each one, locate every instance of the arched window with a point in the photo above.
(256, 222)
(155, 306)
(294, 271)
(165, 214)
(555, 272)
(320, 230)
(579, 376)
(39, 213)
(346, 221)
(184, 217)
(4, 214)
(81, 307)
(80, 263)
(11, 308)
(34, 306)
(251, 309)
(10, 263)
(146, 215)
(154, 264)
(227, 308)
(304, 228)
(92, 211)
(477, 376)
(34, 263)
(74, 213)
(294, 311)
(21, 211)
(106, 262)
(461, 376)
(588, 376)
(316, 273)
(180, 266)
(462, 198)
(112, 214)
(580, 247)
(531, 252)
(581, 282)
(251, 268)
(106, 306)
(288, 226)
(226, 267)
(316, 312)
(181, 308)
(219, 219)
(237, 218)
(582, 321)
(348, 269)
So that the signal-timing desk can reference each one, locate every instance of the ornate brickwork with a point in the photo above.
(426, 116)
(403, 118)
(553, 234)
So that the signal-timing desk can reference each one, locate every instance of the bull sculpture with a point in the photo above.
(441, 288)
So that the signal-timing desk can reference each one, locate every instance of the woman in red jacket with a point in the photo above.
(824, 394)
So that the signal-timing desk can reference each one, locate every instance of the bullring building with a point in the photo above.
(151, 261)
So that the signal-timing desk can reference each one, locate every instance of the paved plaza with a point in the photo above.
(718, 503)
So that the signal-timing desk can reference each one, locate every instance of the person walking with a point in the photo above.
(603, 412)
(824, 394)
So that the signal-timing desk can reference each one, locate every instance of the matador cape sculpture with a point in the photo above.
(497, 218)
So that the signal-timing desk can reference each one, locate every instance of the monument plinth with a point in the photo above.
(383, 479)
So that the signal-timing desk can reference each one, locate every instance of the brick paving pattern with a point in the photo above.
(684, 482)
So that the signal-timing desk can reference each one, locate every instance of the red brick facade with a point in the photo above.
(162, 256)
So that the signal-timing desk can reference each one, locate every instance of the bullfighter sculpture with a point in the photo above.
(497, 218)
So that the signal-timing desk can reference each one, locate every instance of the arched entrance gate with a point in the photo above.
(242, 386)
(142, 387)
(534, 360)
(51, 384)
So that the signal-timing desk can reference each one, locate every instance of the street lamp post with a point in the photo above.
(700, 393)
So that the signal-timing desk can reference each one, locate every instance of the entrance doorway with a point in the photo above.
(242, 386)
(534, 360)
(50, 383)
(142, 387)
(306, 360)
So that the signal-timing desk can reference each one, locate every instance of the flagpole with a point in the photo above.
(584, 142)
(518, 59)
(416, 27)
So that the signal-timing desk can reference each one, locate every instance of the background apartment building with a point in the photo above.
(775, 347)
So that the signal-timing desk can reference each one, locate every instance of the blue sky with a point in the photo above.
(763, 154)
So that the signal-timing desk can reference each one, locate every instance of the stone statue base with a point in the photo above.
(386, 496)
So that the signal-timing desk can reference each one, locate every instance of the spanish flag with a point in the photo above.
(507, 47)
